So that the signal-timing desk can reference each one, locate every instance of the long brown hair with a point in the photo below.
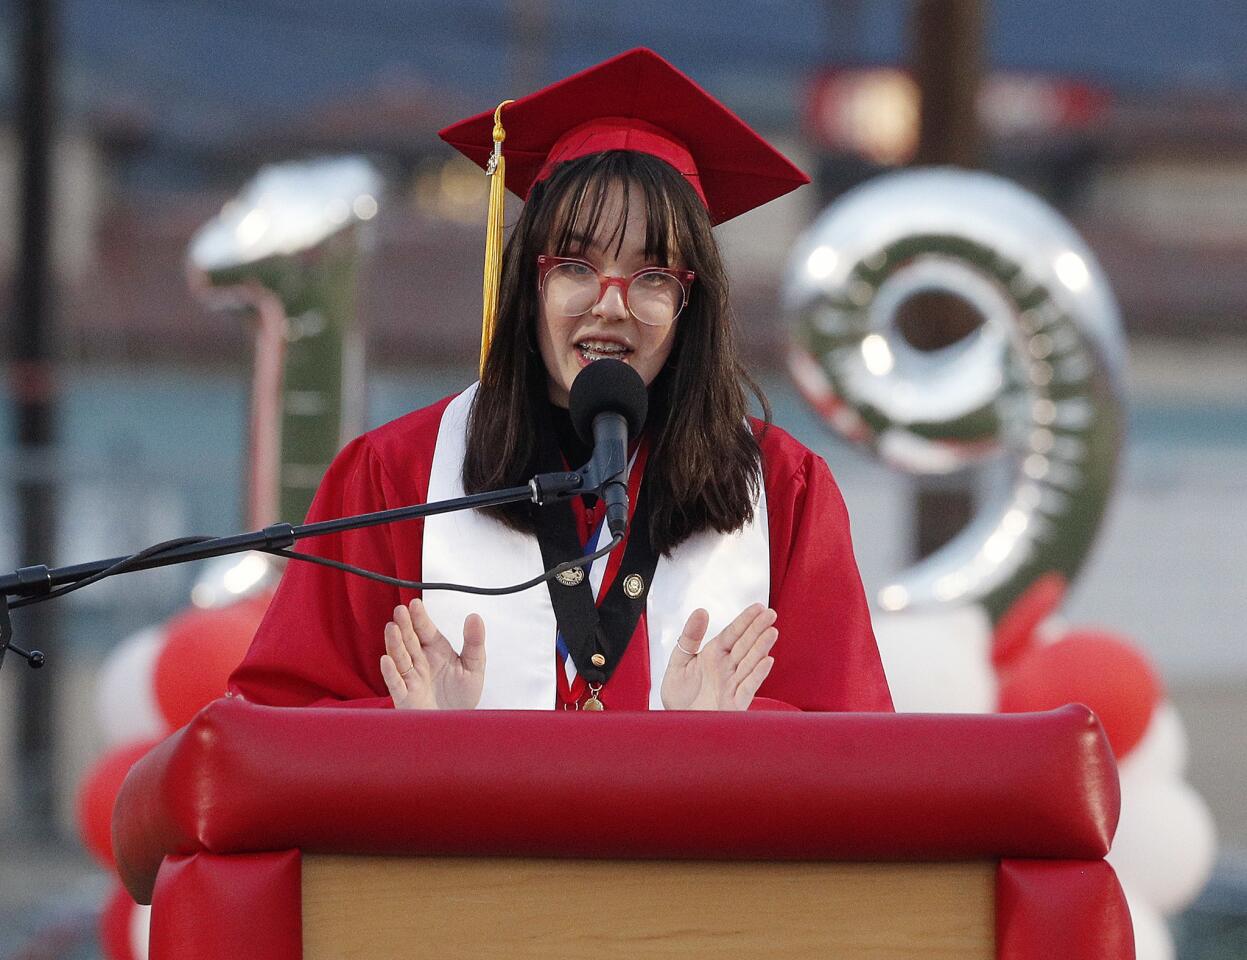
(704, 466)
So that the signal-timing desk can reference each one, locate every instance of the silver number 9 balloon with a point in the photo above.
(1037, 383)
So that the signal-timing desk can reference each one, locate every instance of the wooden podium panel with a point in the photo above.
(361, 908)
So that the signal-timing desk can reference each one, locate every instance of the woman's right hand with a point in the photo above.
(422, 670)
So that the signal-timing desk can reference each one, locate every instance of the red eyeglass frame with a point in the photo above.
(547, 262)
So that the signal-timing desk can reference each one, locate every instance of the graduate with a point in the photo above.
(735, 588)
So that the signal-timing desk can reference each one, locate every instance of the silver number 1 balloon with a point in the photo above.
(288, 249)
(1037, 384)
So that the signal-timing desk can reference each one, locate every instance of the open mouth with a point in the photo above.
(591, 350)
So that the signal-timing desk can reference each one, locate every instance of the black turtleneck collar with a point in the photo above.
(574, 450)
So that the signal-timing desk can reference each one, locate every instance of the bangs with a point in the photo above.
(581, 198)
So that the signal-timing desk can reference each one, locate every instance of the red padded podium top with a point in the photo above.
(783, 786)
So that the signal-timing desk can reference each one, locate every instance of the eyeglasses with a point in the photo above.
(571, 287)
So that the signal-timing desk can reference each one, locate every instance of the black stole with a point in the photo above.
(592, 630)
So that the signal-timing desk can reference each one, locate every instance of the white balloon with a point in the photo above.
(125, 695)
(228, 579)
(1165, 844)
(1162, 753)
(1052, 628)
(1152, 939)
(938, 661)
(140, 930)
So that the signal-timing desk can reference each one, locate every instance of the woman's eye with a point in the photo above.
(653, 279)
(579, 269)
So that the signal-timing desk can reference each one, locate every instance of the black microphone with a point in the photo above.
(608, 403)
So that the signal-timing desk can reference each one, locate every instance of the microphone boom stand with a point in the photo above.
(35, 583)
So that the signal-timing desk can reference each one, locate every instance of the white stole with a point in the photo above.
(722, 573)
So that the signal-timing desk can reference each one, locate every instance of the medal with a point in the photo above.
(593, 703)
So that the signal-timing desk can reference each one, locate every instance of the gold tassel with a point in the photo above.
(497, 173)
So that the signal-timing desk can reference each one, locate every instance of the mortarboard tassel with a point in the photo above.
(497, 173)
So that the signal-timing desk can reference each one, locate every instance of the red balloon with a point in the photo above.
(114, 929)
(202, 648)
(1015, 631)
(97, 793)
(1092, 667)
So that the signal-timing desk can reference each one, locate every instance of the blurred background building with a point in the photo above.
(1130, 117)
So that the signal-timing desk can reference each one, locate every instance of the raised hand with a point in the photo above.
(422, 670)
(726, 672)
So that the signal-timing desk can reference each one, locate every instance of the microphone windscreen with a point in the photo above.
(607, 385)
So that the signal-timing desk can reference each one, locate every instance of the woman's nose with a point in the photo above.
(611, 305)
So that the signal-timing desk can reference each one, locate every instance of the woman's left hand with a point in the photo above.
(725, 673)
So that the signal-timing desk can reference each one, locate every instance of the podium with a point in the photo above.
(281, 833)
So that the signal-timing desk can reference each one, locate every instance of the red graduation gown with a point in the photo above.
(322, 639)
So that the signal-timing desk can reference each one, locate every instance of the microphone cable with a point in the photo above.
(454, 587)
(156, 549)
(121, 566)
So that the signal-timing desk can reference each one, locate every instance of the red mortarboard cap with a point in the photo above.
(635, 101)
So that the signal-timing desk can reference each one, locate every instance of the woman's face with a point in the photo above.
(569, 344)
